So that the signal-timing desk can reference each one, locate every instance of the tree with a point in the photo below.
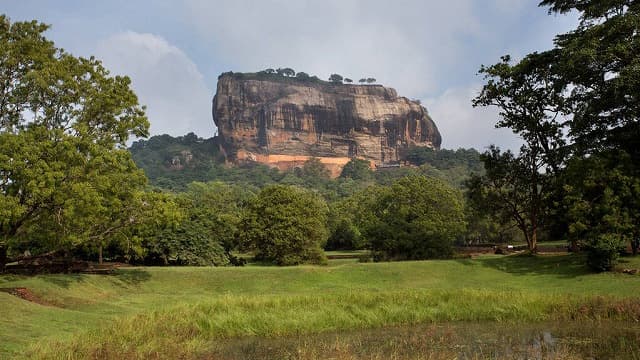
(335, 78)
(603, 206)
(371, 80)
(598, 63)
(217, 208)
(286, 225)
(589, 75)
(357, 169)
(362, 81)
(303, 76)
(512, 191)
(187, 244)
(286, 72)
(64, 123)
(416, 218)
(313, 168)
(157, 212)
(207, 230)
(349, 217)
(347, 80)
(344, 235)
(531, 103)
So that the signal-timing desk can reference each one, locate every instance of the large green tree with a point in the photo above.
(577, 101)
(64, 123)
(416, 218)
(512, 191)
(603, 202)
(598, 63)
(350, 216)
(286, 225)
(204, 231)
(218, 208)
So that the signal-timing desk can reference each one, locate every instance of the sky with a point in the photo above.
(429, 50)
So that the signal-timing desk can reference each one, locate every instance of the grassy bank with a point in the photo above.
(188, 330)
(170, 312)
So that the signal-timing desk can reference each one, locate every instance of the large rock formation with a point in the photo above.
(284, 121)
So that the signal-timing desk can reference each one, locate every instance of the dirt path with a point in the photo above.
(26, 294)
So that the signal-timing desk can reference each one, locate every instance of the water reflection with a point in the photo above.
(572, 340)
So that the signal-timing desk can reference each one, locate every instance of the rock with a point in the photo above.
(178, 162)
(283, 121)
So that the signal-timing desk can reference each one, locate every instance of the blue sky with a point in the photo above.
(427, 50)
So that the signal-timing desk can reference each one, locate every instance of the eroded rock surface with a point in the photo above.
(271, 119)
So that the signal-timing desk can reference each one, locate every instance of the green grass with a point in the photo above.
(178, 311)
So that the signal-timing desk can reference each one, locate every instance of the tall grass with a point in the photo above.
(188, 330)
(181, 312)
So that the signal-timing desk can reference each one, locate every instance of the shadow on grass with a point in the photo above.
(6, 278)
(63, 280)
(132, 276)
(565, 266)
(126, 277)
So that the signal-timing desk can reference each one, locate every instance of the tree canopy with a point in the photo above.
(286, 225)
(64, 124)
(335, 78)
(416, 218)
(575, 106)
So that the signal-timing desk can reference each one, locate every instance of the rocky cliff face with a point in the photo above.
(283, 121)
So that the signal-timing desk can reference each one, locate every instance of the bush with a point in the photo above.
(286, 225)
(416, 218)
(346, 236)
(604, 251)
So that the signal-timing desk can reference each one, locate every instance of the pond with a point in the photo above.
(494, 340)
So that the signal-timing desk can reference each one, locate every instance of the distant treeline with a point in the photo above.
(288, 74)
(164, 160)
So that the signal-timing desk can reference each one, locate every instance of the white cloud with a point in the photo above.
(165, 79)
(462, 125)
(409, 45)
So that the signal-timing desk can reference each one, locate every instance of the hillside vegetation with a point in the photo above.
(171, 163)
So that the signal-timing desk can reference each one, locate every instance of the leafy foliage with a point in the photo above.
(416, 218)
(574, 108)
(336, 78)
(65, 179)
(286, 225)
(289, 75)
(452, 166)
(603, 206)
(349, 217)
(511, 191)
(207, 230)
(357, 169)
(174, 162)
(599, 62)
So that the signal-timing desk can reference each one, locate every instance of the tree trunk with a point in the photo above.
(3, 257)
(574, 245)
(100, 254)
(533, 247)
(635, 244)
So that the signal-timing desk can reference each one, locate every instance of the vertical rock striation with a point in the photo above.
(284, 121)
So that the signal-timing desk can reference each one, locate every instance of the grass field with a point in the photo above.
(192, 312)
